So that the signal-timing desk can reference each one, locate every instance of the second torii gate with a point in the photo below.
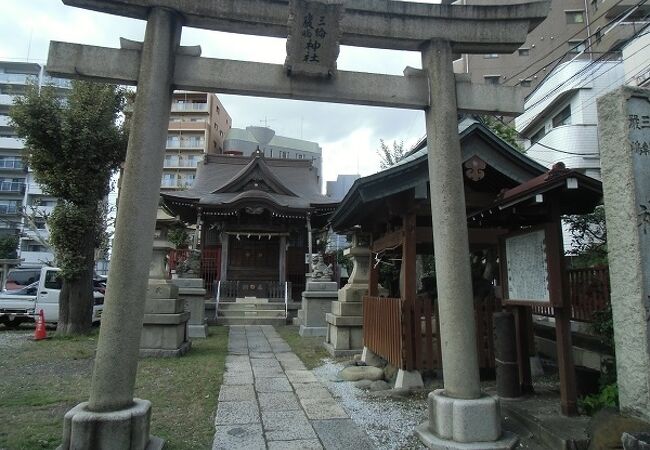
(460, 413)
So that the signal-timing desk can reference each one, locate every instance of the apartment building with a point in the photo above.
(198, 124)
(595, 27)
(560, 123)
(19, 193)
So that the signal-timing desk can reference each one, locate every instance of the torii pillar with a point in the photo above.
(461, 416)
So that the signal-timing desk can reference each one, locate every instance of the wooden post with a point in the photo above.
(523, 345)
(283, 259)
(558, 280)
(409, 289)
(225, 244)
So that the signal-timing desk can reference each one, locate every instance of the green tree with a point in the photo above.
(389, 156)
(73, 146)
(503, 130)
(8, 245)
(589, 238)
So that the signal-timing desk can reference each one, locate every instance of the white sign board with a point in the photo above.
(527, 267)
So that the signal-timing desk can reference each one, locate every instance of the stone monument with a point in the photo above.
(317, 299)
(112, 418)
(624, 135)
(164, 329)
(345, 322)
(190, 288)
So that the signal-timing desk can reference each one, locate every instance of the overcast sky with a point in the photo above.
(348, 134)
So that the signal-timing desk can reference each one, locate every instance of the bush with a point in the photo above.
(606, 397)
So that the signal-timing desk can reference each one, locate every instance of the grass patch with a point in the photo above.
(42, 380)
(309, 349)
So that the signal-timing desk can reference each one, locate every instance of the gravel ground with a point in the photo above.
(10, 339)
(389, 422)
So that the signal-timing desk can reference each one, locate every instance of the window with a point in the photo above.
(526, 83)
(576, 47)
(491, 56)
(284, 154)
(52, 278)
(40, 224)
(492, 79)
(575, 17)
(300, 156)
(11, 162)
(538, 136)
(524, 52)
(563, 117)
(9, 206)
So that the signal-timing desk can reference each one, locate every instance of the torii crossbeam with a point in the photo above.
(314, 30)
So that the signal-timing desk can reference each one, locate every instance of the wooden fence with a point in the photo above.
(406, 334)
(589, 292)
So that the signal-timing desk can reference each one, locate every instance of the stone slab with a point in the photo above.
(197, 331)
(236, 393)
(166, 319)
(299, 444)
(161, 289)
(237, 413)
(314, 391)
(249, 437)
(188, 282)
(166, 353)
(278, 401)
(312, 331)
(324, 286)
(266, 385)
(267, 372)
(237, 380)
(506, 442)
(347, 309)
(287, 426)
(344, 321)
(320, 409)
(163, 305)
(127, 428)
(338, 434)
(301, 376)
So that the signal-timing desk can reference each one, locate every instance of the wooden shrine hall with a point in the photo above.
(505, 193)
(257, 213)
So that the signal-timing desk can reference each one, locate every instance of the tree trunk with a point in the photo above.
(76, 299)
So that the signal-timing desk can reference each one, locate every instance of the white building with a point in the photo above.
(636, 61)
(560, 119)
(19, 193)
(245, 141)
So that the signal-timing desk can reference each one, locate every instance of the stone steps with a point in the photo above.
(251, 311)
(251, 321)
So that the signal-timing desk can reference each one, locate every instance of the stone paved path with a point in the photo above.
(269, 400)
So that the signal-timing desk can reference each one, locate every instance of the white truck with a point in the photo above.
(23, 305)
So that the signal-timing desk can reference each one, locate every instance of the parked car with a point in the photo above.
(19, 278)
(23, 305)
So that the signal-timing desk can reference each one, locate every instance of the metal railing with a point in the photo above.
(286, 299)
(217, 297)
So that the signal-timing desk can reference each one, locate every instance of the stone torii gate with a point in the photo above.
(460, 414)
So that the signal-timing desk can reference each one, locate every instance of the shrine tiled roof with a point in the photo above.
(229, 182)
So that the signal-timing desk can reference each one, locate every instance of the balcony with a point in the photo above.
(6, 100)
(35, 235)
(9, 210)
(12, 164)
(11, 143)
(57, 82)
(189, 107)
(186, 144)
(17, 78)
(188, 125)
(36, 258)
(181, 164)
(579, 139)
(34, 189)
(4, 121)
(39, 211)
(12, 186)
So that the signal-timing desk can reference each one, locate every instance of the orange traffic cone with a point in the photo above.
(39, 332)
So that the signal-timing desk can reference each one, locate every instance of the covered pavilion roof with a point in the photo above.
(229, 183)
